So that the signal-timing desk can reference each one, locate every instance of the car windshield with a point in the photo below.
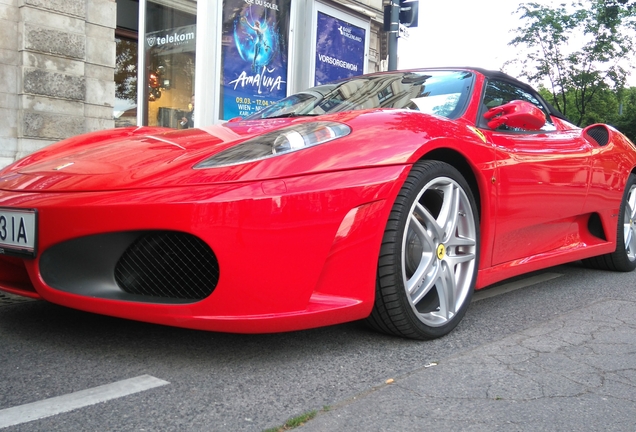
(442, 93)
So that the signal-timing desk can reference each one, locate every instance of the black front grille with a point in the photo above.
(168, 265)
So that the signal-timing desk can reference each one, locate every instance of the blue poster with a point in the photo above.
(253, 55)
(339, 49)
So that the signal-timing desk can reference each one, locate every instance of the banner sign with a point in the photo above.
(339, 49)
(253, 55)
(172, 41)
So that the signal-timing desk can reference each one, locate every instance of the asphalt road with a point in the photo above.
(225, 382)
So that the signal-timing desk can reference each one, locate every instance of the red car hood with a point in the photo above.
(135, 158)
(123, 158)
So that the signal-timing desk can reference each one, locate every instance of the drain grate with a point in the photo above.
(9, 299)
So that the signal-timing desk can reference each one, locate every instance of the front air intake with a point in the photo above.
(168, 265)
(599, 134)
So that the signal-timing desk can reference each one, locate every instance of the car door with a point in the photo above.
(541, 180)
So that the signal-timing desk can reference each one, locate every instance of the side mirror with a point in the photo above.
(516, 114)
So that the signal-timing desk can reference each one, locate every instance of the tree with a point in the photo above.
(625, 119)
(579, 50)
(614, 108)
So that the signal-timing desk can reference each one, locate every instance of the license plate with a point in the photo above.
(18, 230)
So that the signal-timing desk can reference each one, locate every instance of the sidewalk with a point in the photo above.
(574, 373)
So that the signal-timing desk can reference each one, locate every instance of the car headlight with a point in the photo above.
(280, 142)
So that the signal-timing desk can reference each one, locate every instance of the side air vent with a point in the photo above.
(595, 226)
(599, 134)
(168, 265)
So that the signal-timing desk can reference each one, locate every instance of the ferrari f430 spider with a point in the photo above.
(387, 197)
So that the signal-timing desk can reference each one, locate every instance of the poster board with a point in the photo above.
(254, 55)
(341, 44)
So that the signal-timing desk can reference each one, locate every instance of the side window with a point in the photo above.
(501, 92)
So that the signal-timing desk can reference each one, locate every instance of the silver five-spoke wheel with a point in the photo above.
(429, 256)
(629, 223)
(438, 252)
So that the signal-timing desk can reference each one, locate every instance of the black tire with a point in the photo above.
(429, 256)
(623, 259)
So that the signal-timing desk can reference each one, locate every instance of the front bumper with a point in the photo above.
(292, 253)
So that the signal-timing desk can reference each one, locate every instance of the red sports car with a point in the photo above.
(388, 197)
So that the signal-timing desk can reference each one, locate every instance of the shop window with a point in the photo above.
(126, 63)
(125, 111)
(170, 42)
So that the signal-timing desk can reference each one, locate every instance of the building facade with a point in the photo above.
(75, 66)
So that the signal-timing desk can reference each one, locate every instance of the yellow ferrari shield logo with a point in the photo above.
(479, 133)
(441, 251)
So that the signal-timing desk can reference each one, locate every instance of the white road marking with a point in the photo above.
(508, 287)
(61, 404)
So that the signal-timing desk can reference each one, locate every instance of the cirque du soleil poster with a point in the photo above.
(254, 55)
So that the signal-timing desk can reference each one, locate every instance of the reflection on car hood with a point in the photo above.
(119, 160)
(136, 158)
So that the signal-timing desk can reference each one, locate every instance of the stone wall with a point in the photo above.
(57, 60)
(9, 65)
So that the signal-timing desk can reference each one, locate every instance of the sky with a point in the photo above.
(465, 33)
(460, 33)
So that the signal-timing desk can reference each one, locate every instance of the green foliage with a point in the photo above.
(616, 108)
(295, 422)
(625, 119)
(581, 51)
